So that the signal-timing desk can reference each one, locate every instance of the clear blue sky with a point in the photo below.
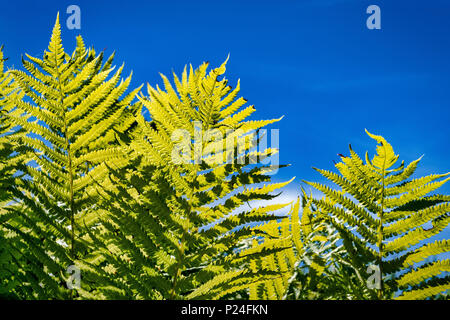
(313, 61)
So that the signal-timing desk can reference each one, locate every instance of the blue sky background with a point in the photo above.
(313, 61)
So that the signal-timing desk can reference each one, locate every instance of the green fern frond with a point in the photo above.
(381, 215)
(69, 112)
(184, 222)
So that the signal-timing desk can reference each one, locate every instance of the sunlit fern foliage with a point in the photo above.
(175, 207)
(7, 269)
(11, 155)
(313, 266)
(285, 235)
(70, 113)
(173, 229)
(387, 220)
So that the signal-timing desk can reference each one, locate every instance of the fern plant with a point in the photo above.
(70, 113)
(285, 235)
(174, 229)
(11, 158)
(313, 266)
(173, 208)
(11, 155)
(382, 218)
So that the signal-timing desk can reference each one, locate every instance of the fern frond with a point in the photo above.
(380, 216)
(188, 219)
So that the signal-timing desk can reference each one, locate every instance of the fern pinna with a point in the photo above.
(70, 113)
(382, 217)
(174, 229)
